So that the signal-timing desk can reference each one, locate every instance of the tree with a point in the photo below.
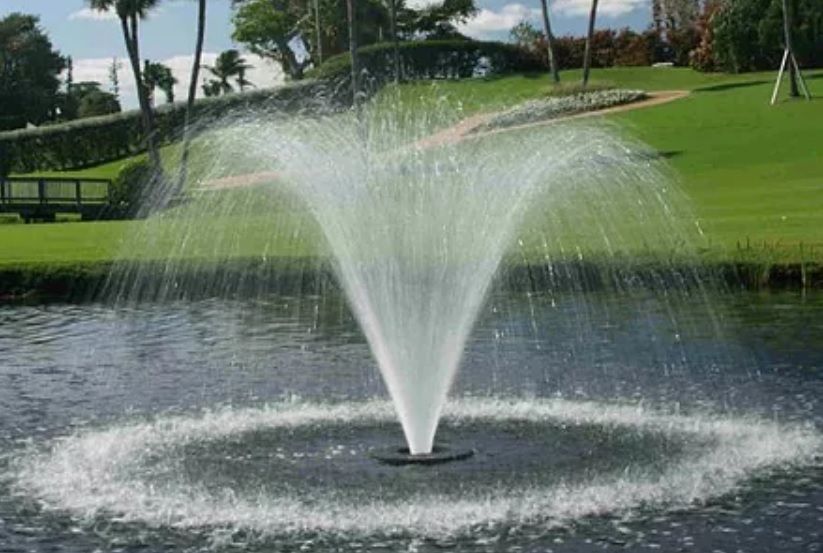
(525, 35)
(749, 34)
(355, 67)
(265, 26)
(29, 72)
(130, 13)
(395, 40)
(86, 99)
(156, 75)
(587, 54)
(436, 21)
(547, 29)
(97, 102)
(114, 77)
(195, 76)
(230, 65)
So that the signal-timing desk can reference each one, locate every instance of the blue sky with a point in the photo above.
(168, 35)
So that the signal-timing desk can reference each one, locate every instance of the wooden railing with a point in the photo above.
(36, 197)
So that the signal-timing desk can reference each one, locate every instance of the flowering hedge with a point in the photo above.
(554, 107)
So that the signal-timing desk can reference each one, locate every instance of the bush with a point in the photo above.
(130, 186)
(97, 140)
(430, 59)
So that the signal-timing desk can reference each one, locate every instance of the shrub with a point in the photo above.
(130, 186)
(97, 140)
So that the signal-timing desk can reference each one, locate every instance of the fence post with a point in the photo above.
(41, 190)
(2, 190)
(78, 196)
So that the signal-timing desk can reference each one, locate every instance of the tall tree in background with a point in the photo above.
(195, 77)
(587, 53)
(229, 66)
(29, 72)
(547, 28)
(130, 13)
(114, 77)
(265, 27)
(156, 75)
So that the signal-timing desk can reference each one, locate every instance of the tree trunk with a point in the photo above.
(133, 49)
(794, 90)
(395, 41)
(547, 27)
(319, 46)
(587, 55)
(195, 77)
(355, 69)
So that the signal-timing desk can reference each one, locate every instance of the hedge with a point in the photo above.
(430, 59)
(96, 140)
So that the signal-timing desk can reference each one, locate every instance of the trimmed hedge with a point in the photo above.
(430, 59)
(93, 141)
(97, 140)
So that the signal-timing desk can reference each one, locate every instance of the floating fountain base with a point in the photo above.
(438, 455)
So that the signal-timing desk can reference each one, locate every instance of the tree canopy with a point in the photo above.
(748, 34)
(29, 72)
(266, 26)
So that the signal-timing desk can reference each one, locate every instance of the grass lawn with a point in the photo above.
(753, 173)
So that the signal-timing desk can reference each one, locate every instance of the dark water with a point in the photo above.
(64, 367)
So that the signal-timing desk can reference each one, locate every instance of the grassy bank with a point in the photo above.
(752, 173)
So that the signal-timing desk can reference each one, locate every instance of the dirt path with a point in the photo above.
(463, 130)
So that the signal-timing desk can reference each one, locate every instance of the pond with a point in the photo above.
(108, 414)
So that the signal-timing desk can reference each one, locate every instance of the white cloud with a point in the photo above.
(264, 74)
(487, 21)
(93, 15)
(606, 8)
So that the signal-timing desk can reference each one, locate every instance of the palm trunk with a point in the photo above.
(133, 49)
(587, 55)
(355, 69)
(195, 77)
(395, 41)
(319, 46)
(547, 27)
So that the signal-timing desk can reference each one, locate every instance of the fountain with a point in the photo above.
(417, 231)
(313, 249)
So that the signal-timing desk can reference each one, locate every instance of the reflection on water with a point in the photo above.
(68, 365)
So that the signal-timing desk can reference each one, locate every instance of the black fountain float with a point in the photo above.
(399, 456)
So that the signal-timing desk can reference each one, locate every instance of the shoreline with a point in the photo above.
(160, 280)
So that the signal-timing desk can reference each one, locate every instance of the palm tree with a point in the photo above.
(587, 54)
(229, 65)
(195, 76)
(130, 13)
(547, 28)
(157, 75)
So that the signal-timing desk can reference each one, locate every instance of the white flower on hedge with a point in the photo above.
(551, 108)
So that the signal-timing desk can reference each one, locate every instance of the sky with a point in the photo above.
(93, 39)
